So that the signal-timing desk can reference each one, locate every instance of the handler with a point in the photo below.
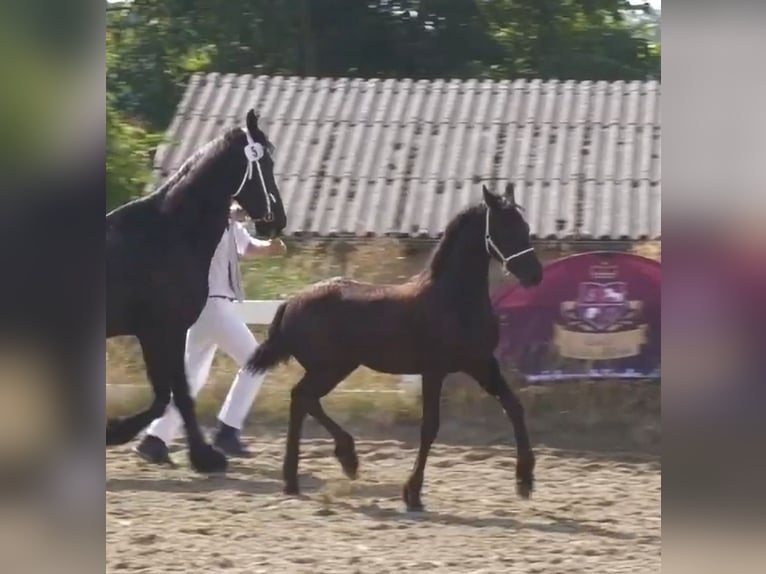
(219, 325)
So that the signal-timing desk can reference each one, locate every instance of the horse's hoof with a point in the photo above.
(525, 474)
(411, 500)
(524, 488)
(208, 460)
(351, 473)
(415, 508)
(291, 490)
(349, 462)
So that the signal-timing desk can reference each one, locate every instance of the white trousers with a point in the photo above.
(219, 325)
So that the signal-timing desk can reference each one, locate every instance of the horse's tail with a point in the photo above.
(273, 350)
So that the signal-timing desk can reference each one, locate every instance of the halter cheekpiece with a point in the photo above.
(493, 249)
(254, 152)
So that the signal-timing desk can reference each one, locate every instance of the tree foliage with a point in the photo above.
(571, 39)
(155, 45)
(128, 157)
(159, 43)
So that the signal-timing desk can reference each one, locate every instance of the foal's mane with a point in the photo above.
(450, 237)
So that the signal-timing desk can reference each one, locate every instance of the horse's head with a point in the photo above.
(506, 236)
(259, 194)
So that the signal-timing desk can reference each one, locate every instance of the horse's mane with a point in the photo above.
(200, 158)
(447, 243)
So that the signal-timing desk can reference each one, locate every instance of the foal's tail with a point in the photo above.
(273, 350)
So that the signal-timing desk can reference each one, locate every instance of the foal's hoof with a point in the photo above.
(416, 507)
(525, 480)
(349, 462)
(291, 490)
(207, 460)
(524, 488)
(411, 500)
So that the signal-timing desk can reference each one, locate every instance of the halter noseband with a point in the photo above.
(493, 249)
(254, 152)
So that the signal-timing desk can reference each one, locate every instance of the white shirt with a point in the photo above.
(224, 279)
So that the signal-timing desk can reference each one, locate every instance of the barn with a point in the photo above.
(378, 158)
(372, 170)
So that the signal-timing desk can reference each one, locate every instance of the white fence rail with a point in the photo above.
(261, 312)
(257, 311)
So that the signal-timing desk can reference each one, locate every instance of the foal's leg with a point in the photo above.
(491, 380)
(313, 389)
(292, 447)
(304, 399)
(429, 428)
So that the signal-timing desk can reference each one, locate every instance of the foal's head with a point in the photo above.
(259, 194)
(506, 236)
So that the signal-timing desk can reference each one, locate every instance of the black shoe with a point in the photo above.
(153, 451)
(227, 440)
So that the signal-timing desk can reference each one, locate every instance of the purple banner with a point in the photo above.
(595, 315)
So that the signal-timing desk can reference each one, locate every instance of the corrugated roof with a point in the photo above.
(401, 157)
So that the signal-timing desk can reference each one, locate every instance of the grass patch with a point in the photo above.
(583, 415)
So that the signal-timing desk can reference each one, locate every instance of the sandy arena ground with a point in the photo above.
(589, 514)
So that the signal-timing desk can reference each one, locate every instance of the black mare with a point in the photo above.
(158, 252)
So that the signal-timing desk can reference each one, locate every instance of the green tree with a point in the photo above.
(129, 149)
(571, 39)
(161, 42)
(151, 53)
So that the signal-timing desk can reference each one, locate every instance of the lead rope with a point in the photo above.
(494, 249)
(254, 152)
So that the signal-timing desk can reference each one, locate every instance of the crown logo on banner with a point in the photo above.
(603, 271)
(602, 322)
